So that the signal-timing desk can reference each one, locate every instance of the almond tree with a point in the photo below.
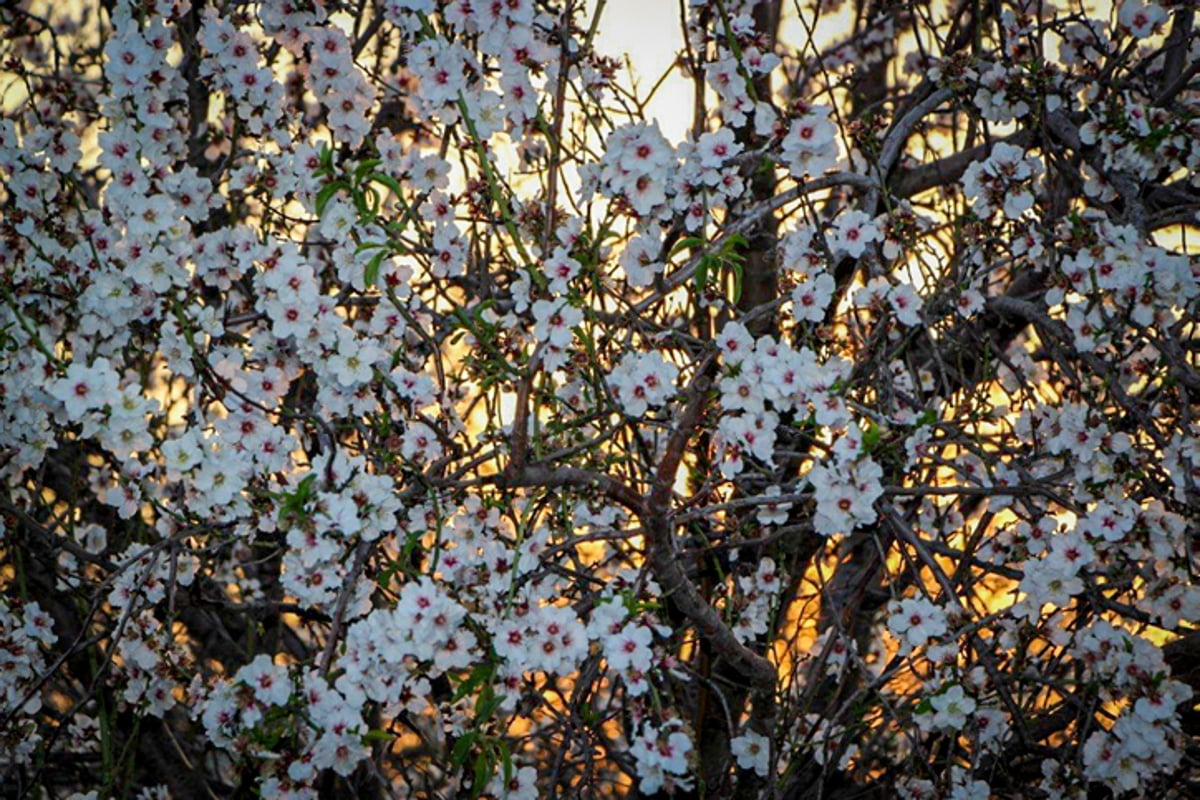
(390, 409)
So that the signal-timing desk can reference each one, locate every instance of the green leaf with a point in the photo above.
(326, 194)
(372, 272)
(365, 246)
(480, 675)
(483, 771)
(360, 202)
(735, 267)
(388, 181)
(304, 489)
(371, 202)
(927, 418)
(702, 275)
(364, 168)
(462, 747)
(410, 543)
(685, 243)
(293, 503)
(871, 437)
(729, 248)
(376, 735)
(505, 759)
(325, 162)
(385, 577)
(487, 704)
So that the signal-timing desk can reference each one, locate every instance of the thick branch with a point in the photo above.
(667, 568)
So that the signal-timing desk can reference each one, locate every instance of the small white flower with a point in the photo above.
(1140, 18)
(753, 751)
(811, 298)
(916, 620)
(554, 321)
(852, 232)
(810, 146)
(629, 649)
(952, 708)
(85, 388)
(269, 682)
(642, 381)
(559, 269)
(717, 147)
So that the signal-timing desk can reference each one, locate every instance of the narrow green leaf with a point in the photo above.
(735, 267)
(364, 168)
(483, 771)
(388, 181)
(372, 202)
(326, 194)
(505, 759)
(372, 272)
(685, 243)
(481, 674)
(462, 747)
(325, 159)
(376, 735)
(702, 275)
(365, 246)
(489, 702)
(871, 437)
(360, 202)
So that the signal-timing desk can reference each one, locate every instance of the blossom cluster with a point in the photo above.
(25, 631)
(1006, 180)
(389, 398)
